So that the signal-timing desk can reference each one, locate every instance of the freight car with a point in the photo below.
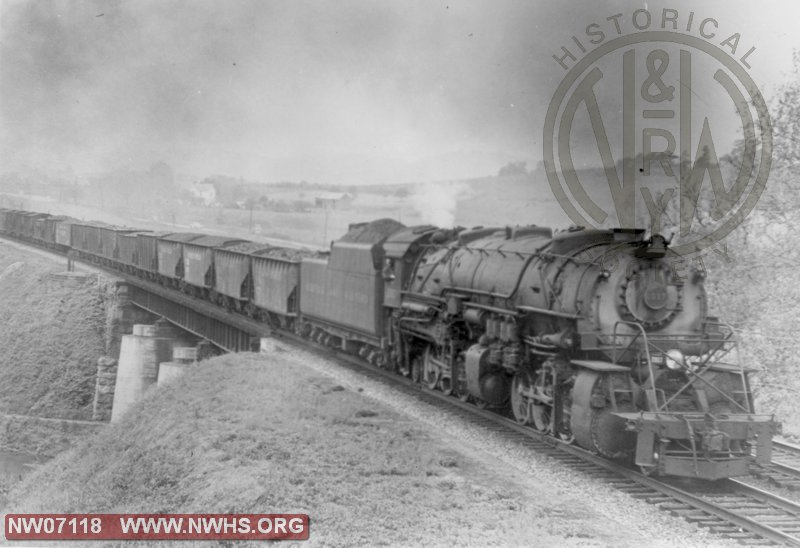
(127, 250)
(170, 257)
(27, 225)
(276, 285)
(54, 236)
(97, 242)
(260, 281)
(40, 228)
(233, 265)
(147, 254)
(198, 263)
(590, 336)
(4, 216)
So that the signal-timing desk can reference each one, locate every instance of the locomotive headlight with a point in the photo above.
(675, 359)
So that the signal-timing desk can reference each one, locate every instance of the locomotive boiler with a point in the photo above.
(591, 336)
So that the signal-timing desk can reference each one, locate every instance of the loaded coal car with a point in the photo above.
(109, 238)
(49, 231)
(127, 249)
(3, 219)
(146, 254)
(341, 295)
(590, 336)
(276, 284)
(170, 257)
(20, 224)
(63, 232)
(233, 286)
(97, 242)
(259, 280)
(85, 238)
(198, 263)
(39, 230)
(6, 218)
(27, 225)
(13, 222)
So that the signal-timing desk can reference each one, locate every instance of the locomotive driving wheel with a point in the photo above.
(521, 403)
(541, 407)
(547, 394)
(432, 372)
(541, 418)
(565, 432)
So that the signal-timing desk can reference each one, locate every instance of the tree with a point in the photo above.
(756, 289)
(513, 168)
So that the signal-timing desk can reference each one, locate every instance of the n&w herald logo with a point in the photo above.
(640, 129)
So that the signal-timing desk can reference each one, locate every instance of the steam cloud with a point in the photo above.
(436, 202)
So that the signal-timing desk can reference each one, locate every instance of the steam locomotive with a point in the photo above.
(591, 336)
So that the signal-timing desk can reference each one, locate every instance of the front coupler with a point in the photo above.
(700, 445)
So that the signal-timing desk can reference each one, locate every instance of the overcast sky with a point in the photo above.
(345, 91)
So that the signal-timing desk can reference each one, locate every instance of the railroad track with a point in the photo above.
(784, 470)
(730, 509)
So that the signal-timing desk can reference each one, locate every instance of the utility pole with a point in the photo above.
(325, 233)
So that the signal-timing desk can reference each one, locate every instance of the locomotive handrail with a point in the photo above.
(478, 292)
(694, 375)
(652, 389)
(745, 383)
(422, 297)
(697, 375)
(707, 364)
(503, 311)
(548, 312)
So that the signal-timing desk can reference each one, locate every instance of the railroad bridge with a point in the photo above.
(229, 332)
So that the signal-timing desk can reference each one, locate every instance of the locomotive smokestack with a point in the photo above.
(653, 248)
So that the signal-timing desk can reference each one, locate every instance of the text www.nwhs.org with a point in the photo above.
(156, 526)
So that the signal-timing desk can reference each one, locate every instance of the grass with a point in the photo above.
(249, 433)
(52, 332)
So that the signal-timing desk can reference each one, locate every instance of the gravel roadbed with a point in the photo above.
(539, 474)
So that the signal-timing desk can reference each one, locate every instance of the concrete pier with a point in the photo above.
(139, 359)
(183, 357)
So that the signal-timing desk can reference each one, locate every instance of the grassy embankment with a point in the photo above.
(254, 433)
(52, 331)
